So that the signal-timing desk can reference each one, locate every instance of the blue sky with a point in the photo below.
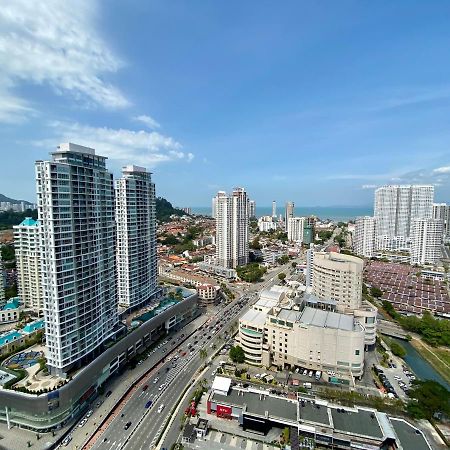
(317, 102)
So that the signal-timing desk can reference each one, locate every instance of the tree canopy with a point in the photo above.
(251, 272)
(427, 398)
(237, 355)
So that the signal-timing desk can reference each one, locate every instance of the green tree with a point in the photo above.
(255, 244)
(397, 349)
(294, 264)
(427, 398)
(282, 276)
(203, 354)
(376, 292)
(283, 259)
(237, 355)
(8, 253)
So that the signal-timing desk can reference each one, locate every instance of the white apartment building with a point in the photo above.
(136, 259)
(395, 208)
(266, 223)
(295, 229)
(426, 241)
(364, 236)
(338, 277)
(76, 211)
(288, 214)
(27, 244)
(2, 281)
(232, 228)
(274, 209)
(252, 209)
(309, 266)
(214, 207)
(441, 211)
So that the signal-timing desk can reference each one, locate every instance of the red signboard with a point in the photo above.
(223, 410)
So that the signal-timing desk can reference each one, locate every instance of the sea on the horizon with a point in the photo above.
(335, 213)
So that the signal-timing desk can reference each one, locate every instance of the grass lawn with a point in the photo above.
(439, 358)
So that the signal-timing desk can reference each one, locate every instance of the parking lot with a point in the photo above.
(396, 379)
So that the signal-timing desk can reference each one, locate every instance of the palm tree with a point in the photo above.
(203, 354)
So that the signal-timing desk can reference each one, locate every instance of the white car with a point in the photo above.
(155, 380)
(162, 387)
(89, 413)
(161, 407)
(82, 423)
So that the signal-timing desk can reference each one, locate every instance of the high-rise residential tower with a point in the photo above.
(232, 228)
(76, 211)
(252, 209)
(426, 241)
(441, 211)
(214, 207)
(364, 236)
(395, 209)
(295, 229)
(136, 237)
(288, 214)
(274, 208)
(2, 281)
(27, 244)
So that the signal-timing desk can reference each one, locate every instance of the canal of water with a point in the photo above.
(422, 368)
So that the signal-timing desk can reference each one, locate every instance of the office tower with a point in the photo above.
(295, 229)
(309, 265)
(136, 237)
(78, 233)
(252, 209)
(395, 209)
(338, 277)
(364, 236)
(288, 214)
(426, 241)
(274, 209)
(232, 229)
(28, 262)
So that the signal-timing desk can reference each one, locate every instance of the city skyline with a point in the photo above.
(266, 99)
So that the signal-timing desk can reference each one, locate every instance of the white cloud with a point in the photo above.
(127, 146)
(148, 121)
(54, 43)
(444, 169)
(369, 186)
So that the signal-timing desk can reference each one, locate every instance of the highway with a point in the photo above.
(136, 427)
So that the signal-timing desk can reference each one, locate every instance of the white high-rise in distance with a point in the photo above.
(295, 229)
(395, 209)
(232, 228)
(288, 214)
(76, 211)
(274, 208)
(136, 237)
(213, 208)
(27, 245)
(252, 209)
(364, 236)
